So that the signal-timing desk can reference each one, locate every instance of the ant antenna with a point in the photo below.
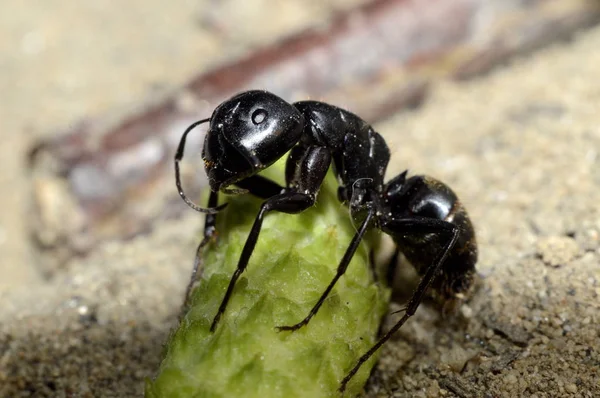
(178, 157)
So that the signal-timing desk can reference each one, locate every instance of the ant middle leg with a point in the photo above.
(341, 269)
(412, 226)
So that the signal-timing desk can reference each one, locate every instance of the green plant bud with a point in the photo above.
(294, 260)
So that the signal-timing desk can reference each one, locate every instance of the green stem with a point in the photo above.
(295, 258)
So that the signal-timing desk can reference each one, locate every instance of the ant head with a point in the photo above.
(248, 133)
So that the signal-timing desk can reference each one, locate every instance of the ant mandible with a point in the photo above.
(253, 129)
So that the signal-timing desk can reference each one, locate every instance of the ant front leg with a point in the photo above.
(256, 185)
(311, 170)
(260, 186)
(412, 226)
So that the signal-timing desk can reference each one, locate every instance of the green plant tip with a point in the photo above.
(294, 260)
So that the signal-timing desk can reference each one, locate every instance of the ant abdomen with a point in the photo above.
(424, 196)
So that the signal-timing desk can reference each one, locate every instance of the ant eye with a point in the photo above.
(259, 116)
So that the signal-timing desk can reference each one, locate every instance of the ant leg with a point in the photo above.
(287, 202)
(411, 226)
(209, 231)
(258, 186)
(340, 271)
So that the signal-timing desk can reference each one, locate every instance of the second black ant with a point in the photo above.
(427, 222)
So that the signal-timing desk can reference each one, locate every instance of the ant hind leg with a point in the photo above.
(342, 267)
(412, 226)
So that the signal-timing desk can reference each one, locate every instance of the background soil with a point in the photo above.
(519, 146)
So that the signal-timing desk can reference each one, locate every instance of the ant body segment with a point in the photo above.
(427, 222)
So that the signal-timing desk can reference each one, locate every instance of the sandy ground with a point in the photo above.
(520, 147)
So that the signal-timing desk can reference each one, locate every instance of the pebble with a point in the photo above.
(557, 251)
(571, 388)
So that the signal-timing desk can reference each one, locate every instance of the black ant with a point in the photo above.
(252, 130)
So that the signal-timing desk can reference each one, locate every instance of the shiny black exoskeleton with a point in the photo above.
(252, 130)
